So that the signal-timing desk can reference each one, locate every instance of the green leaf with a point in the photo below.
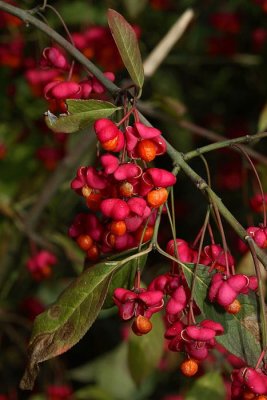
(145, 351)
(92, 392)
(133, 7)
(241, 336)
(209, 387)
(108, 371)
(82, 114)
(124, 278)
(262, 124)
(63, 324)
(127, 44)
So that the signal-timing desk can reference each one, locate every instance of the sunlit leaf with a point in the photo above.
(145, 351)
(82, 114)
(61, 326)
(241, 336)
(127, 44)
(209, 387)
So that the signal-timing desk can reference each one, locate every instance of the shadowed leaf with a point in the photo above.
(145, 352)
(209, 387)
(82, 114)
(124, 278)
(133, 7)
(63, 324)
(108, 372)
(127, 44)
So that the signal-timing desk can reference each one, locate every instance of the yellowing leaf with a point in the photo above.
(63, 324)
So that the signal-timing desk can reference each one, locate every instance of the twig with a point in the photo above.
(221, 141)
(206, 133)
(201, 184)
(159, 53)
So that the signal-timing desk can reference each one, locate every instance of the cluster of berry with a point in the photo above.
(249, 383)
(122, 193)
(60, 88)
(182, 331)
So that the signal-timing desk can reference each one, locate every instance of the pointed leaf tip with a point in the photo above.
(127, 44)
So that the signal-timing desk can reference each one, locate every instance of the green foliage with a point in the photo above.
(209, 387)
(93, 393)
(124, 278)
(63, 324)
(145, 352)
(127, 45)
(82, 114)
(108, 372)
(134, 8)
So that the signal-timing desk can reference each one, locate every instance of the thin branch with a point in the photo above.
(160, 52)
(223, 141)
(207, 134)
(201, 184)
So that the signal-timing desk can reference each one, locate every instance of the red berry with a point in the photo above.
(189, 367)
(234, 307)
(93, 201)
(141, 325)
(93, 253)
(249, 396)
(85, 242)
(45, 272)
(111, 240)
(147, 235)
(126, 189)
(111, 144)
(118, 228)
(157, 197)
(146, 150)
(86, 191)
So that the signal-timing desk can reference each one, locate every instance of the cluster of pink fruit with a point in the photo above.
(61, 88)
(183, 332)
(122, 193)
